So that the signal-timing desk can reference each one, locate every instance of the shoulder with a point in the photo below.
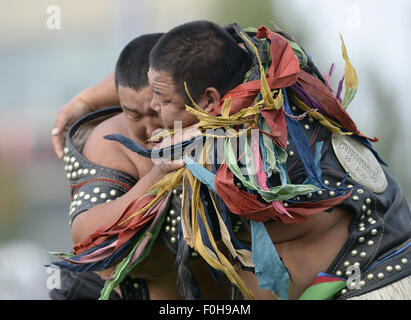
(107, 153)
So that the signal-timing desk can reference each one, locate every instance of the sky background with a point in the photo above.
(42, 69)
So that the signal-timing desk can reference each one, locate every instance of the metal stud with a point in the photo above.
(78, 202)
(96, 190)
(360, 191)
(404, 261)
(194, 254)
(76, 165)
(178, 219)
(320, 193)
(338, 184)
(72, 159)
(93, 172)
(363, 254)
(338, 273)
(331, 193)
(370, 243)
(66, 150)
(291, 153)
(361, 240)
(398, 267)
(174, 222)
(80, 172)
(355, 198)
(310, 195)
(374, 232)
(103, 195)
(348, 273)
(326, 182)
(364, 208)
(172, 212)
(310, 119)
(307, 127)
(362, 217)
(361, 225)
(362, 283)
(380, 276)
(173, 240)
(87, 196)
(369, 212)
(94, 199)
(74, 175)
(354, 253)
(361, 229)
(370, 276)
(68, 175)
(70, 167)
(113, 192)
(85, 172)
(389, 269)
(238, 184)
(285, 205)
(173, 229)
(167, 229)
(168, 219)
(343, 291)
(346, 264)
(368, 201)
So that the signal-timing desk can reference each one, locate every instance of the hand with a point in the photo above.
(71, 112)
(160, 170)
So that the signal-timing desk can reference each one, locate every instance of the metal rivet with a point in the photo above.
(338, 184)
(354, 253)
(326, 182)
(173, 240)
(108, 200)
(238, 185)
(360, 191)
(310, 195)
(355, 198)
(357, 264)
(87, 196)
(194, 254)
(370, 243)
(346, 264)
(370, 276)
(72, 159)
(380, 275)
(374, 232)
(364, 208)
(338, 273)
(167, 229)
(343, 291)
(76, 165)
(294, 108)
(94, 199)
(369, 212)
(78, 202)
(80, 172)
(291, 153)
(362, 283)
(331, 193)
(113, 193)
(348, 273)
(285, 205)
(320, 193)
(362, 217)
(350, 186)
(93, 172)
(389, 269)
(173, 229)
(310, 119)
(70, 167)
(103, 195)
(361, 239)
(75, 196)
(68, 175)
(168, 219)
(178, 219)
(362, 229)
(398, 267)
(74, 175)
(85, 171)
(135, 285)
(373, 222)
(363, 254)
(172, 212)
(66, 150)
(404, 261)
(307, 127)
(361, 225)
(174, 191)
(96, 190)
(368, 201)
(174, 222)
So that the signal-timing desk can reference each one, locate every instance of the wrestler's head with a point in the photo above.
(134, 93)
(203, 55)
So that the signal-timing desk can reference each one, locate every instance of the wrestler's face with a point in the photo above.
(167, 102)
(141, 120)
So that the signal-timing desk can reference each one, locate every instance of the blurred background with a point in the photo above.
(43, 67)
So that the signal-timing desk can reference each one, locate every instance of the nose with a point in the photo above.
(155, 104)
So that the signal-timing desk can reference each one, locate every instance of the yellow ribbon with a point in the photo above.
(351, 79)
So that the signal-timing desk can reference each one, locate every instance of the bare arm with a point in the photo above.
(96, 97)
(87, 222)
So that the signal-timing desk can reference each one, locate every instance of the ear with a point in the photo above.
(210, 99)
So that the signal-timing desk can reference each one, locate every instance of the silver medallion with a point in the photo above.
(359, 162)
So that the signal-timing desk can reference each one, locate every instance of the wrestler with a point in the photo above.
(105, 178)
(369, 230)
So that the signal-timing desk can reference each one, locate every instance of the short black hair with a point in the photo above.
(202, 54)
(132, 64)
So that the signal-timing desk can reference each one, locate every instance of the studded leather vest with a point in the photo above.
(379, 244)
